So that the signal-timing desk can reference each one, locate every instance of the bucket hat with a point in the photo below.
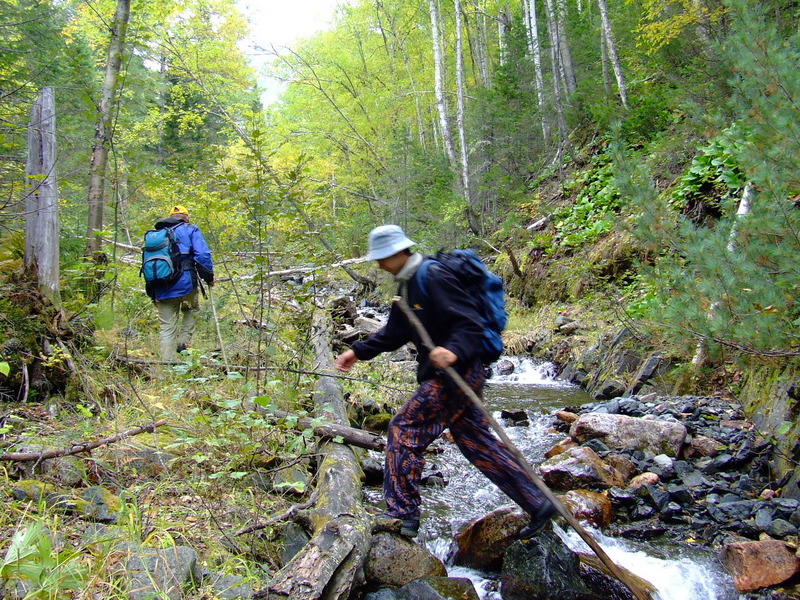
(386, 240)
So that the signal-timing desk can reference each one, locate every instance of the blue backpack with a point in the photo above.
(161, 256)
(477, 279)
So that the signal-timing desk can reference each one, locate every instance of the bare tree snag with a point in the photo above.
(41, 201)
(328, 566)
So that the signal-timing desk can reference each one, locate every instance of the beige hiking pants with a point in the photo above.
(174, 329)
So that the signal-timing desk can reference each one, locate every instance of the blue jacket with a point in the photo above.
(196, 260)
(449, 314)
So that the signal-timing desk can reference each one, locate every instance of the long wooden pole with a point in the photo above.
(635, 589)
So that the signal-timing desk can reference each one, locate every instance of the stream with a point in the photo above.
(465, 494)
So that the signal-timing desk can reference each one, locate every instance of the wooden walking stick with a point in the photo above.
(216, 322)
(624, 577)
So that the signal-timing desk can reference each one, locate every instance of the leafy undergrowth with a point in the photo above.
(226, 463)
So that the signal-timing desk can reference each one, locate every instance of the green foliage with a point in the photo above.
(32, 561)
(594, 212)
(713, 177)
(734, 283)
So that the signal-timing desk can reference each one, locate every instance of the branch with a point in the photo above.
(78, 448)
(289, 515)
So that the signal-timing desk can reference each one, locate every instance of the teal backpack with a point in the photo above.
(161, 256)
(484, 284)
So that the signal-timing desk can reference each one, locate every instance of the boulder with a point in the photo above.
(438, 588)
(482, 543)
(622, 431)
(543, 567)
(162, 573)
(504, 367)
(580, 467)
(760, 564)
(395, 561)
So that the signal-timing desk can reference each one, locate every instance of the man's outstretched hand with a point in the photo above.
(345, 361)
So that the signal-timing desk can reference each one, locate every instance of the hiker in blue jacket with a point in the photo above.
(452, 319)
(178, 302)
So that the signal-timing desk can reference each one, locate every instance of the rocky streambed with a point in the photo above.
(689, 472)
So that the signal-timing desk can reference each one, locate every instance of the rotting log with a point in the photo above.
(328, 566)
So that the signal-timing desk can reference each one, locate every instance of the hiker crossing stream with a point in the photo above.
(456, 493)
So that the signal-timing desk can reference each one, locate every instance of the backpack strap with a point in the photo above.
(422, 273)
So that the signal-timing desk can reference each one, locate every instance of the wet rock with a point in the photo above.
(580, 467)
(701, 445)
(482, 542)
(543, 567)
(621, 431)
(622, 464)
(395, 561)
(566, 416)
(438, 588)
(586, 505)
(504, 367)
(561, 447)
(642, 480)
(760, 564)
(516, 417)
(605, 587)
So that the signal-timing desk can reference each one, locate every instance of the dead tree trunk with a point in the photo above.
(328, 566)
(41, 202)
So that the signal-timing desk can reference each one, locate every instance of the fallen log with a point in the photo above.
(79, 448)
(332, 431)
(329, 564)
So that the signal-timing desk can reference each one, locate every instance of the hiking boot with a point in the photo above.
(408, 527)
(182, 347)
(538, 521)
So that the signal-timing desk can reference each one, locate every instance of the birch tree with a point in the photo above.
(555, 58)
(461, 108)
(41, 202)
(104, 132)
(565, 53)
(611, 47)
(535, 50)
(438, 67)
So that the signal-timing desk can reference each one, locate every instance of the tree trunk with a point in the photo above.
(604, 62)
(555, 57)
(471, 213)
(567, 66)
(41, 201)
(608, 35)
(535, 49)
(328, 566)
(438, 70)
(104, 131)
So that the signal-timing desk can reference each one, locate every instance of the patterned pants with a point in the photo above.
(436, 405)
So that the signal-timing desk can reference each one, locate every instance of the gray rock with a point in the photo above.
(160, 572)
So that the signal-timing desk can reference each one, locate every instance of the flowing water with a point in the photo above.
(468, 495)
